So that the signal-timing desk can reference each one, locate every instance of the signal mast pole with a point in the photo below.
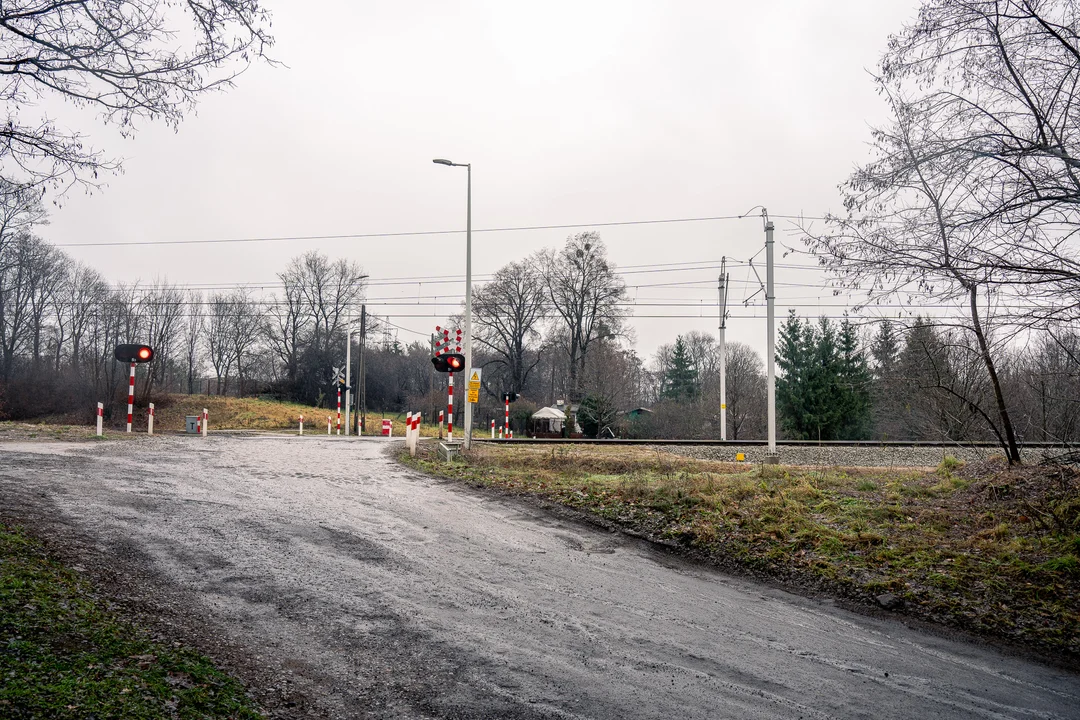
(770, 295)
(723, 350)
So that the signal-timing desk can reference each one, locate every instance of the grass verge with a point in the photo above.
(65, 656)
(982, 547)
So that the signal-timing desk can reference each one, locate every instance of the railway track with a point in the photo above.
(781, 443)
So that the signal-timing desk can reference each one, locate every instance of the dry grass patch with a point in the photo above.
(984, 547)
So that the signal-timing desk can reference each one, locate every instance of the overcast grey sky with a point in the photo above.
(570, 112)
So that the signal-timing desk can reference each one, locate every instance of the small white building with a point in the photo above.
(548, 420)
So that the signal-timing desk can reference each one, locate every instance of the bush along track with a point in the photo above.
(982, 547)
(64, 655)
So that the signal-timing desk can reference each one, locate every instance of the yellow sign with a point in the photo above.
(473, 395)
(739, 457)
(474, 384)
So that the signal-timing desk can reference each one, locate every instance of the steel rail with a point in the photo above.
(764, 443)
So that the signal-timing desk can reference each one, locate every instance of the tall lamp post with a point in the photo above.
(468, 292)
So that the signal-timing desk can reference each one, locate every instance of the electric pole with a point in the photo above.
(362, 395)
(723, 349)
(770, 298)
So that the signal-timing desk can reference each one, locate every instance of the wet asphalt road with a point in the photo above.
(400, 596)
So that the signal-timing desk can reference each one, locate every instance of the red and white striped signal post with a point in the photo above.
(131, 394)
(100, 417)
(450, 406)
(506, 415)
(339, 409)
(134, 354)
(448, 363)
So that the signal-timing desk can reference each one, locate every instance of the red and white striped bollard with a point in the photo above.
(100, 417)
(150, 420)
(301, 424)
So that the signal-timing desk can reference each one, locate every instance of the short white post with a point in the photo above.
(205, 421)
(442, 419)
(301, 424)
(408, 428)
(492, 428)
(100, 417)
(328, 425)
(150, 420)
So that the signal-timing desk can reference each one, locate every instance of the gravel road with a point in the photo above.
(388, 594)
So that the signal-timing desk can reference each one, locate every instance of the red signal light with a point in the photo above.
(133, 352)
(454, 363)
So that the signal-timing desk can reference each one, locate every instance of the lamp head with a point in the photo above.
(440, 161)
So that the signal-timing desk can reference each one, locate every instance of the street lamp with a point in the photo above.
(468, 292)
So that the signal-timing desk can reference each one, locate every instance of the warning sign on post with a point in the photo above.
(473, 393)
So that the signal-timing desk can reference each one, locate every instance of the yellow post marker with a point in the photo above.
(739, 457)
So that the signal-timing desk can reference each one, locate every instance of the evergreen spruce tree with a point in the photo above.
(887, 393)
(822, 392)
(680, 383)
(856, 384)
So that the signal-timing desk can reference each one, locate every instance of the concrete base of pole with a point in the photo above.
(772, 459)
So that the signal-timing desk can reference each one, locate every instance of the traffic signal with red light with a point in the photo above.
(449, 362)
(134, 353)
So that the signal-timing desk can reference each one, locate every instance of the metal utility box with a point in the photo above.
(191, 424)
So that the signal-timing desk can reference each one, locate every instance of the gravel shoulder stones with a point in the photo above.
(850, 455)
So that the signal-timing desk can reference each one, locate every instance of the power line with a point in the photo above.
(419, 233)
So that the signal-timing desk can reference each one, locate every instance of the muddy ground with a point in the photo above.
(338, 584)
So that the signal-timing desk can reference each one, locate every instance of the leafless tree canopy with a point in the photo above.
(130, 59)
(507, 312)
(586, 294)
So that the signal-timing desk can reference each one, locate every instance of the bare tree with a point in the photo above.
(162, 308)
(507, 312)
(586, 294)
(131, 59)
(194, 325)
(997, 81)
(746, 391)
(245, 325)
(911, 230)
(219, 339)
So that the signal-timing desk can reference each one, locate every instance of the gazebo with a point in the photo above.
(548, 421)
